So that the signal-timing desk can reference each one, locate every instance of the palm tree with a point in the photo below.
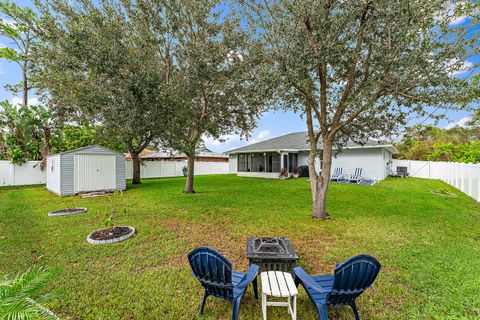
(17, 296)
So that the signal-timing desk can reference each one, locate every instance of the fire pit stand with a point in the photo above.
(271, 254)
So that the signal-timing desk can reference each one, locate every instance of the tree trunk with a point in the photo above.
(136, 166)
(47, 132)
(190, 174)
(319, 182)
(25, 84)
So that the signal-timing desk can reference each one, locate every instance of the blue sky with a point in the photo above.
(271, 124)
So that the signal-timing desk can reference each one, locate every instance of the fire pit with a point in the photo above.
(275, 254)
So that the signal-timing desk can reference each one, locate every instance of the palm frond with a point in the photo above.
(17, 296)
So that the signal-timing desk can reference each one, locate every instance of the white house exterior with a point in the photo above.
(92, 168)
(265, 159)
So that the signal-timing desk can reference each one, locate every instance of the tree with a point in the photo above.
(214, 75)
(27, 132)
(358, 69)
(457, 144)
(19, 26)
(97, 64)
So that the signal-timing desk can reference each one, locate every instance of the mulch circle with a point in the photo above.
(66, 212)
(111, 235)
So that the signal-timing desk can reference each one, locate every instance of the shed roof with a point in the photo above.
(298, 141)
(86, 148)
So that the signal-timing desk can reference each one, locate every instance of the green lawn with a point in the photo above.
(429, 246)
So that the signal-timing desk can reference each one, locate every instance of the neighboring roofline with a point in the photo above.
(153, 156)
(386, 146)
(84, 148)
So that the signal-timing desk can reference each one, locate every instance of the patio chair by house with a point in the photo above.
(356, 177)
(337, 174)
(216, 275)
(350, 279)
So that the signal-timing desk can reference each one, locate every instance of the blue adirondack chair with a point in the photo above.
(350, 279)
(356, 176)
(216, 275)
(337, 174)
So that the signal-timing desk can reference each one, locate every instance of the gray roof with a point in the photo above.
(93, 146)
(298, 141)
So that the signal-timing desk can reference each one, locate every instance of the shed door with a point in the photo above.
(94, 172)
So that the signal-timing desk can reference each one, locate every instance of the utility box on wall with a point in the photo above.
(92, 168)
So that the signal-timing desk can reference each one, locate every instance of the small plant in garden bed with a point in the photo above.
(111, 233)
(283, 174)
(295, 172)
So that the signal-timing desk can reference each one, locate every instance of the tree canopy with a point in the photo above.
(359, 69)
(98, 64)
(214, 76)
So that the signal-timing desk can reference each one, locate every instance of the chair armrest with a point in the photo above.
(249, 276)
(302, 277)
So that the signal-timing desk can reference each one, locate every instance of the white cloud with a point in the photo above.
(264, 134)
(453, 13)
(18, 100)
(456, 67)
(460, 123)
(458, 20)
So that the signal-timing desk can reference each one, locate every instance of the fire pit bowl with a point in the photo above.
(275, 254)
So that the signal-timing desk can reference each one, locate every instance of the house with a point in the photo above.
(166, 154)
(92, 168)
(265, 159)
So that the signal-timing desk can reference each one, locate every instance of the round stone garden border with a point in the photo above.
(124, 237)
(63, 212)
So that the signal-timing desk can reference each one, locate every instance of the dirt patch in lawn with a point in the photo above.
(211, 234)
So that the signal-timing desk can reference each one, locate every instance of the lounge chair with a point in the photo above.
(216, 275)
(356, 176)
(350, 279)
(337, 174)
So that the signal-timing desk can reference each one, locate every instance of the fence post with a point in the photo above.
(12, 174)
(478, 182)
(470, 180)
(457, 175)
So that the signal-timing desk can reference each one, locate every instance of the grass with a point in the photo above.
(429, 246)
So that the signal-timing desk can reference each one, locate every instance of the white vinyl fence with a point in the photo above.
(27, 173)
(160, 169)
(30, 173)
(463, 176)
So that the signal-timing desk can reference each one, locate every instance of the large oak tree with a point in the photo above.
(215, 67)
(359, 69)
(97, 64)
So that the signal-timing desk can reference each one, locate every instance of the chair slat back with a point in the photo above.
(214, 272)
(337, 172)
(352, 277)
(358, 172)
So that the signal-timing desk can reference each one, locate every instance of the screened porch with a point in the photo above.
(267, 161)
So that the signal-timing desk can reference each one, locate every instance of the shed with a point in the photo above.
(92, 168)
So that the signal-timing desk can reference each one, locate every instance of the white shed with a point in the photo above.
(92, 168)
